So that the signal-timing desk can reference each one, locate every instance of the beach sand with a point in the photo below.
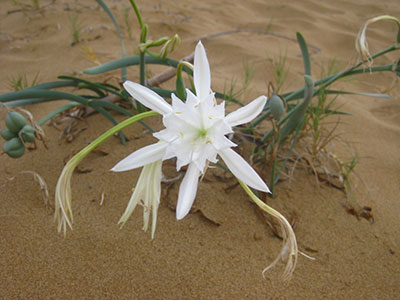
(194, 258)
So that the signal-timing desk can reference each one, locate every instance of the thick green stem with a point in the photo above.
(137, 12)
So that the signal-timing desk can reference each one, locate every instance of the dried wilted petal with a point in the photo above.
(361, 41)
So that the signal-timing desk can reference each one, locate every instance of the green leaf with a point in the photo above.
(39, 93)
(95, 86)
(296, 115)
(57, 111)
(54, 84)
(304, 52)
(28, 101)
(108, 11)
(101, 103)
(111, 118)
(134, 61)
(357, 93)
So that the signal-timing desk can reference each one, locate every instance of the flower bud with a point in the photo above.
(276, 106)
(15, 121)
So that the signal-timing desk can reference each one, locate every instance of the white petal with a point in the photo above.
(246, 113)
(147, 97)
(191, 99)
(177, 104)
(141, 157)
(242, 170)
(156, 194)
(221, 142)
(201, 76)
(137, 195)
(187, 191)
(166, 135)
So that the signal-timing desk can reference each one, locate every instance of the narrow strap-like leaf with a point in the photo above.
(132, 61)
(111, 118)
(300, 109)
(54, 84)
(39, 93)
(108, 11)
(57, 111)
(305, 54)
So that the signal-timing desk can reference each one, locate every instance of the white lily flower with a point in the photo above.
(194, 133)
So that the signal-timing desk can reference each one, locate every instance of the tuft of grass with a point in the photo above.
(76, 29)
(281, 70)
(127, 22)
(347, 170)
(33, 5)
(88, 52)
(20, 82)
(231, 92)
(267, 28)
(316, 114)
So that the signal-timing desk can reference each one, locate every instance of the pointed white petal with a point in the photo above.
(177, 104)
(141, 157)
(137, 195)
(242, 170)
(165, 135)
(246, 113)
(156, 194)
(221, 142)
(191, 99)
(147, 97)
(187, 191)
(201, 76)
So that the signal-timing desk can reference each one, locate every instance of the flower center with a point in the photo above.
(202, 133)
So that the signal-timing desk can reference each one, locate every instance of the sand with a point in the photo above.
(194, 258)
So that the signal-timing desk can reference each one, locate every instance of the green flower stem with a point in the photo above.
(137, 12)
(258, 201)
(63, 207)
(109, 133)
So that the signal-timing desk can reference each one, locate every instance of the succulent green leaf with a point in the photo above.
(14, 147)
(297, 114)
(28, 133)
(304, 52)
(7, 134)
(15, 121)
(16, 153)
(108, 11)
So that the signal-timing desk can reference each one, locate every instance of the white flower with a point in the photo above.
(147, 193)
(194, 133)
